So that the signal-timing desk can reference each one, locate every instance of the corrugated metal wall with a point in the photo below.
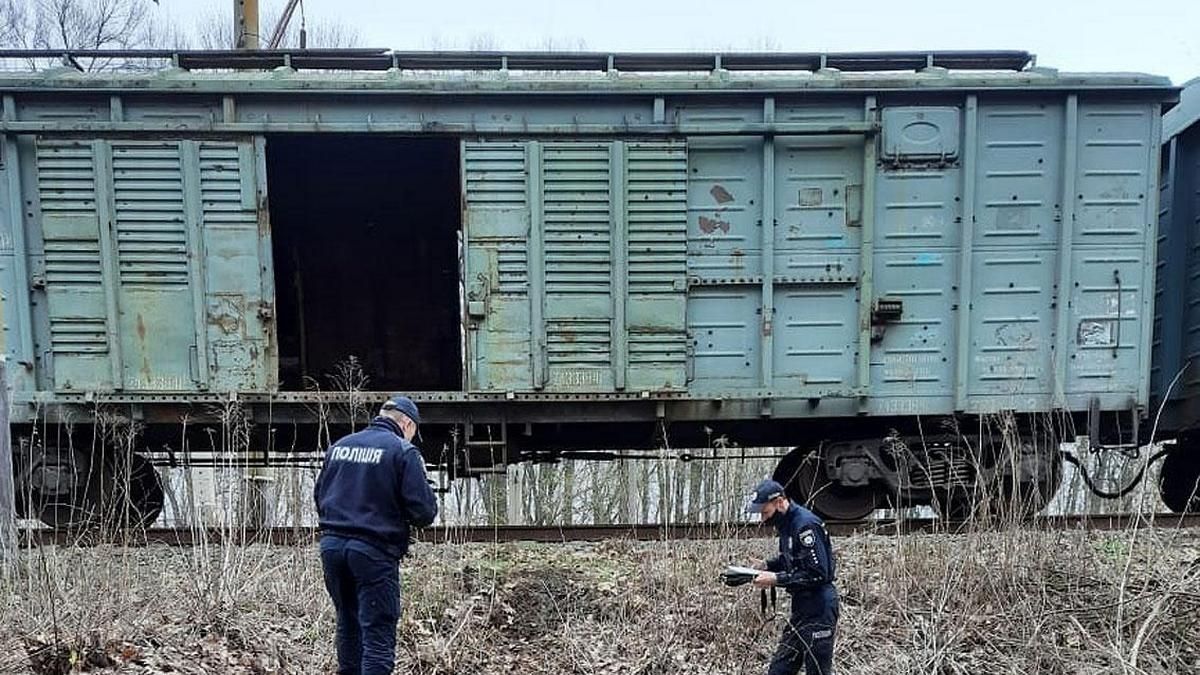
(1014, 234)
(152, 264)
(593, 232)
(1011, 234)
(1020, 226)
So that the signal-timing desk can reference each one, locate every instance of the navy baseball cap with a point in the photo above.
(765, 492)
(403, 404)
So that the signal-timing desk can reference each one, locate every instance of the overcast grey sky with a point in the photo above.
(1124, 35)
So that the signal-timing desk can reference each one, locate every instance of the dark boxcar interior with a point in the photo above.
(365, 237)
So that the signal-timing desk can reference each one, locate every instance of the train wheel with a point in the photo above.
(1179, 478)
(70, 489)
(53, 484)
(803, 476)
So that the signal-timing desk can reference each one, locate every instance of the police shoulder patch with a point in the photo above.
(807, 539)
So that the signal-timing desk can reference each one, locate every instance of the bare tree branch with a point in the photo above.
(551, 43)
(215, 30)
(62, 25)
(483, 42)
(15, 21)
(82, 24)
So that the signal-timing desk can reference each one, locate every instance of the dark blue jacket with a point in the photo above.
(372, 487)
(805, 567)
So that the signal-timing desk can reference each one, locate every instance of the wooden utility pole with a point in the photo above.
(245, 24)
(8, 493)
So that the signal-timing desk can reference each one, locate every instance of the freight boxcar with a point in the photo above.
(922, 270)
(1176, 373)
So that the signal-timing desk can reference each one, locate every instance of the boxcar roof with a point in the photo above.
(384, 71)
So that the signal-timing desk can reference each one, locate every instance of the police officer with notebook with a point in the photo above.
(805, 568)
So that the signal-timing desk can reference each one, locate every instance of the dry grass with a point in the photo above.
(1013, 601)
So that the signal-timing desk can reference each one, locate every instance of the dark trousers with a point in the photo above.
(807, 642)
(364, 583)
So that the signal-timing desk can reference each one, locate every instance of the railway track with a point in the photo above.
(588, 533)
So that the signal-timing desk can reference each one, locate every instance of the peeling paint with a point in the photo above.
(1013, 335)
(1095, 334)
(226, 312)
(720, 194)
(711, 225)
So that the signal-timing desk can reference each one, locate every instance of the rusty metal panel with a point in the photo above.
(576, 265)
(816, 237)
(724, 208)
(816, 198)
(725, 262)
(497, 216)
(75, 278)
(239, 301)
(154, 244)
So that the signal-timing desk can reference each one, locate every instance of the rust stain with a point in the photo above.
(720, 194)
(737, 253)
(226, 312)
(141, 333)
(264, 215)
(710, 225)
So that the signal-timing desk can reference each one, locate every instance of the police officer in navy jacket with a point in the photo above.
(805, 568)
(371, 490)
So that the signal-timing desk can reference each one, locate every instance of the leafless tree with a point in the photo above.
(86, 24)
(483, 42)
(215, 29)
(14, 20)
(488, 42)
(552, 43)
(762, 42)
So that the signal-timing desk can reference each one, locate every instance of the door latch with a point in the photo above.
(884, 311)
